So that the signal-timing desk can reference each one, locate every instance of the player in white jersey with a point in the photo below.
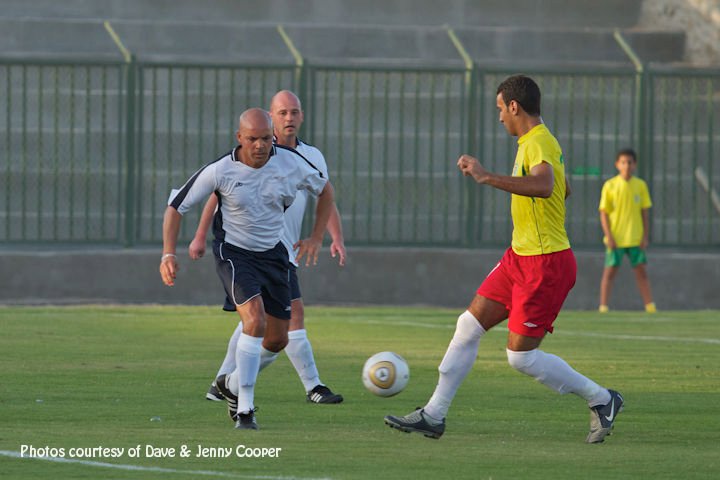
(254, 184)
(287, 115)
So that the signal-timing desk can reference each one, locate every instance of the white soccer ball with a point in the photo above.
(386, 374)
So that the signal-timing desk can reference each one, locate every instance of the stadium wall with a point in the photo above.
(372, 276)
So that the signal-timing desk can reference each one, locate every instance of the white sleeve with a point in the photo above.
(321, 164)
(312, 179)
(195, 190)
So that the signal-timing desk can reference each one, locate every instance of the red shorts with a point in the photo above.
(532, 288)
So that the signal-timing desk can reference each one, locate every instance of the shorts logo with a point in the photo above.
(288, 308)
(530, 325)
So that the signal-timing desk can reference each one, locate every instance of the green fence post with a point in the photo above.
(301, 86)
(471, 232)
(130, 152)
(300, 79)
(642, 137)
(131, 71)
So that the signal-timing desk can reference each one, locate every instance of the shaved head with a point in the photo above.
(284, 97)
(255, 118)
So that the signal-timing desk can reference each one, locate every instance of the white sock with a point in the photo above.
(300, 353)
(228, 364)
(242, 380)
(554, 372)
(267, 357)
(456, 364)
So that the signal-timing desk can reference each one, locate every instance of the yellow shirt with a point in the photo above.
(539, 223)
(623, 201)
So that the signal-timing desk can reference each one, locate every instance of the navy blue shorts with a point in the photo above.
(246, 274)
(294, 284)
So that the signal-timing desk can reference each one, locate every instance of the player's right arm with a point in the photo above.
(605, 208)
(310, 246)
(198, 187)
(539, 183)
(196, 249)
(168, 261)
(605, 223)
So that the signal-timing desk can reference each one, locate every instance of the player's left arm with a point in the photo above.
(538, 183)
(646, 228)
(310, 247)
(196, 249)
(568, 190)
(334, 228)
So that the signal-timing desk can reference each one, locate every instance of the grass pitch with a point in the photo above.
(127, 377)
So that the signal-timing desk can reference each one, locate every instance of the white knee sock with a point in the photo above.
(267, 357)
(242, 380)
(228, 364)
(300, 353)
(456, 364)
(554, 372)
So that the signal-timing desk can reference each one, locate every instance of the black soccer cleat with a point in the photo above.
(322, 394)
(602, 418)
(246, 420)
(213, 394)
(417, 422)
(230, 398)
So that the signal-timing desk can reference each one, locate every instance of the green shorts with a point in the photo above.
(613, 258)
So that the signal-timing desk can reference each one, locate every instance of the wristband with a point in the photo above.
(166, 255)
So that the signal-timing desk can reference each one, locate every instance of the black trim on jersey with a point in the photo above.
(301, 156)
(180, 197)
(217, 225)
(304, 143)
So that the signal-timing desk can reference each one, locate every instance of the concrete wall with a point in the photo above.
(389, 276)
(580, 13)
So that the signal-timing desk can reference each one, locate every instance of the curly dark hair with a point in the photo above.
(524, 91)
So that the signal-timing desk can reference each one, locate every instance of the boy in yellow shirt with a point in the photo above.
(624, 216)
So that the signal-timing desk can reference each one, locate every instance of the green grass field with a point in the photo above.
(123, 377)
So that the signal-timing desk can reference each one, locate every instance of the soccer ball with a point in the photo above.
(386, 374)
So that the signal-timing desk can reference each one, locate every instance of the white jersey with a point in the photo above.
(294, 214)
(251, 201)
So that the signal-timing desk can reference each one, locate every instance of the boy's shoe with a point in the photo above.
(651, 308)
(214, 394)
(419, 422)
(322, 394)
(602, 418)
(246, 421)
(603, 309)
(230, 398)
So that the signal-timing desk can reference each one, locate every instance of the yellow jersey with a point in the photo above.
(623, 201)
(539, 223)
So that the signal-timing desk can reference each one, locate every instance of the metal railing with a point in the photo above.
(90, 150)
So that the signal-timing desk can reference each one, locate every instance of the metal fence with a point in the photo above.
(91, 150)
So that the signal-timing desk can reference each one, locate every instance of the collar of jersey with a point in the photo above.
(297, 141)
(234, 152)
(532, 132)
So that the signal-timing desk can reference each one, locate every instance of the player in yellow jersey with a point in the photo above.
(624, 215)
(529, 284)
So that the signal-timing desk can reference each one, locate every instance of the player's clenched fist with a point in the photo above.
(168, 269)
(470, 167)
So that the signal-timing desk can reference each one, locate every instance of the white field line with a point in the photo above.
(139, 468)
(560, 332)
